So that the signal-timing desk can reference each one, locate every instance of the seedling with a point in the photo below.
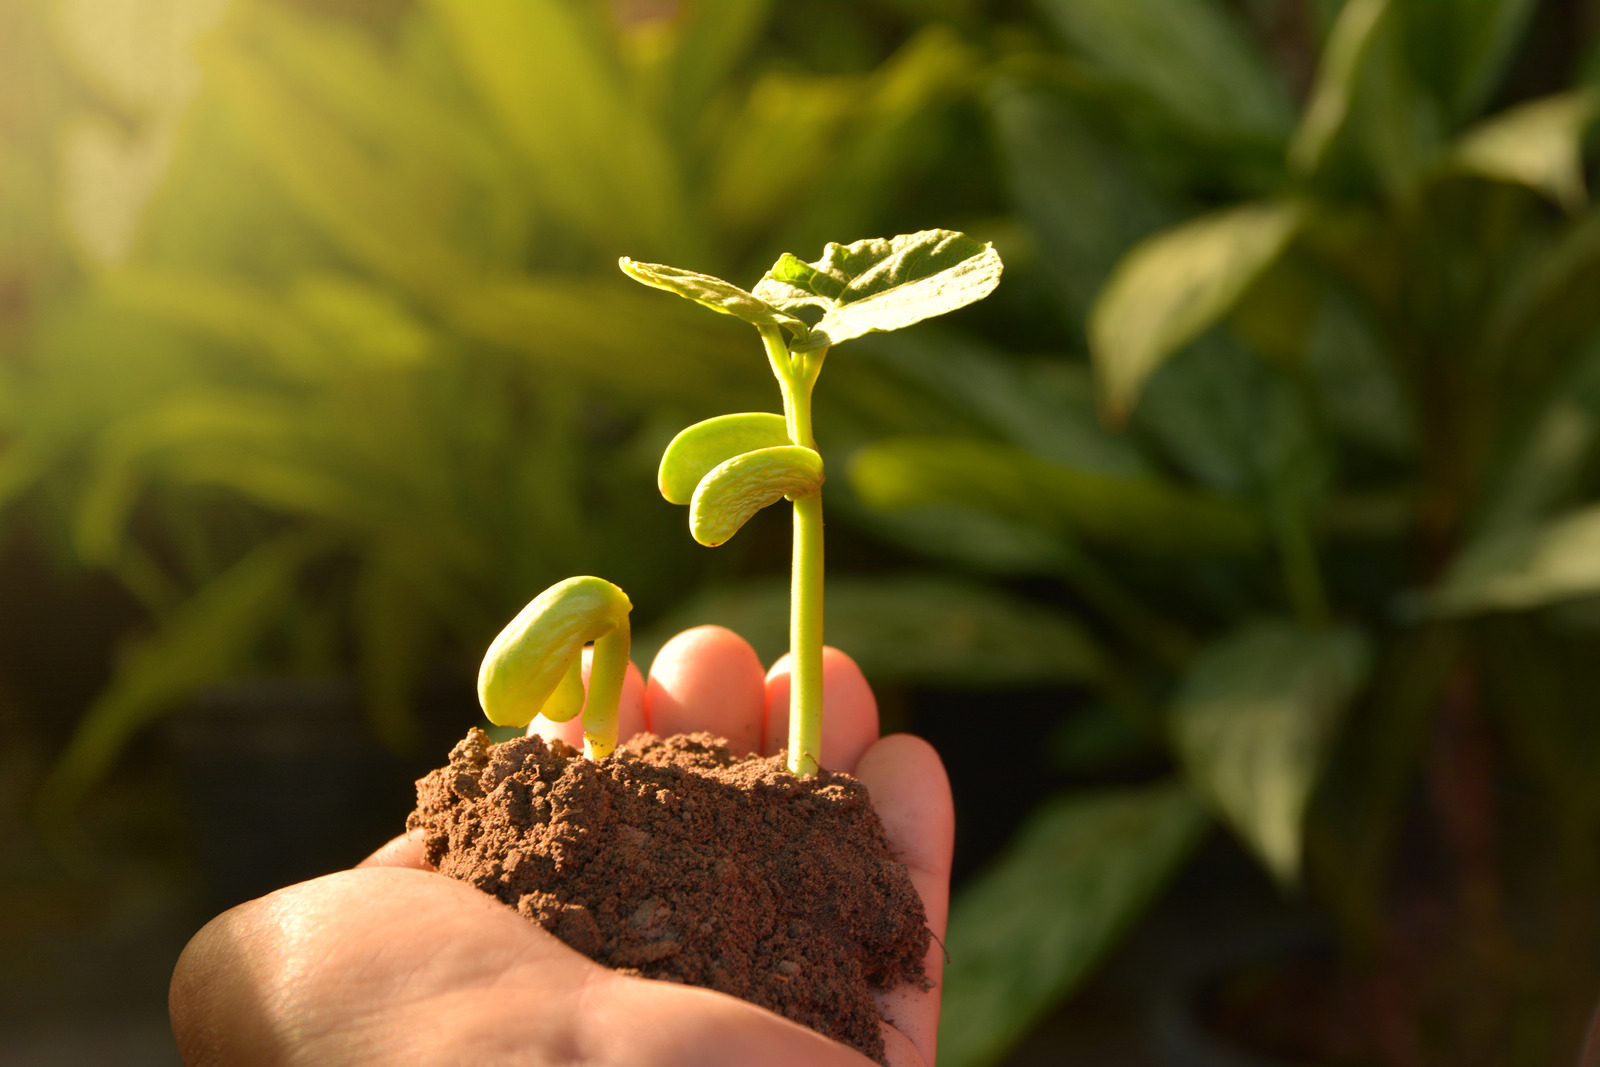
(730, 467)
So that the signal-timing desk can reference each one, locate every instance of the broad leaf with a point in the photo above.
(1171, 288)
(1344, 60)
(912, 629)
(713, 293)
(1138, 513)
(1030, 929)
(882, 284)
(734, 491)
(695, 451)
(1524, 567)
(1537, 144)
(1255, 723)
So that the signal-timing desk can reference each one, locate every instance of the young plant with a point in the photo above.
(535, 665)
(728, 468)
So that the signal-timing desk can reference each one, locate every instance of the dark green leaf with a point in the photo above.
(1139, 514)
(1538, 144)
(1031, 928)
(1255, 723)
(1524, 567)
(1174, 286)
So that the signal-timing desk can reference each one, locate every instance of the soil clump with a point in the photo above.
(675, 860)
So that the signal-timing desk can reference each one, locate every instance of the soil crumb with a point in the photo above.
(674, 860)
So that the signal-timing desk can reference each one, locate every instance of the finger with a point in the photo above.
(912, 796)
(630, 711)
(849, 710)
(707, 678)
(403, 851)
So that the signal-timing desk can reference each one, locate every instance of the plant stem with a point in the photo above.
(805, 638)
(796, 375)
(606, 673)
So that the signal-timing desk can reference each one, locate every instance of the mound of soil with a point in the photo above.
(674, 860)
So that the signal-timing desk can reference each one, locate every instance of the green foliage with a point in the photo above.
(1076, 876)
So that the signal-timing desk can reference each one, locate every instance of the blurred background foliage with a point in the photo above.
(1263, 491)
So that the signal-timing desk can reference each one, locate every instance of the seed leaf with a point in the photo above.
(735, 490)
(714, 293)
(882, 284)
(532, 657)
(703, 446)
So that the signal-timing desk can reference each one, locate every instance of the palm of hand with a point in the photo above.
(391, 963)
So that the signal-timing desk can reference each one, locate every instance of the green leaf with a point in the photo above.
(1139, 514)
(205, 640)
(713, 293)
(696, 450)
(529, 661)
(1344, 60)
(1524, 567)
(1538, 144)
(736, 489)
(913, 629)
(1171, 288)
(1188, 58)
(1254, 725)
(1029, 930)
(880, 284)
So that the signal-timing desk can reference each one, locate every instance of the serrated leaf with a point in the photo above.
(1255, 722)
(1524, 567)
(1030, 929)
(697, 450)
(1138, 513)
(1538, 144)
(529, 661)
(882, 284)
(1173, 287)
(733, 491)
(912, 629)
(713, 293)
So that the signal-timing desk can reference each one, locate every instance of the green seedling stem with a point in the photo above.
(728, 468)
(797, 375)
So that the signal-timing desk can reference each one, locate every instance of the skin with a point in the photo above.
(392, 963)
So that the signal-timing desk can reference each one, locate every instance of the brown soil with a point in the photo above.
(674, 860)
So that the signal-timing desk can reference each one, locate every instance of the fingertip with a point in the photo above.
(849, 710)
(707, 678)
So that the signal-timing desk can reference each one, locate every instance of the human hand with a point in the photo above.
(392, 963)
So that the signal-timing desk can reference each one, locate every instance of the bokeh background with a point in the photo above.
(1241, 553)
